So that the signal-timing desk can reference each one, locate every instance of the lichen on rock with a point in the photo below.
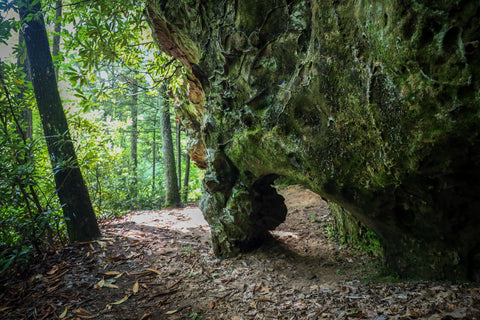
(371, 104)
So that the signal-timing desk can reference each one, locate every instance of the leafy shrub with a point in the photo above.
(30, 217)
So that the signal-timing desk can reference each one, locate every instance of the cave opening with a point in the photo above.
(308, 222)
(307, 234)
(297, 218)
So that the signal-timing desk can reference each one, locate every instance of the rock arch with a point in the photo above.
(371, 104)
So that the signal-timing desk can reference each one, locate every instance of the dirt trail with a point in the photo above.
(159, 265)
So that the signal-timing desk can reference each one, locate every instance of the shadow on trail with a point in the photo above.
(155, 265)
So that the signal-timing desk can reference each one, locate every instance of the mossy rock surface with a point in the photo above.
(374, 105)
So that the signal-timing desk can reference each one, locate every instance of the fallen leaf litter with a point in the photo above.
(158, 265)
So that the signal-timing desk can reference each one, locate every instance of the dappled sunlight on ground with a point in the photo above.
(180, 219)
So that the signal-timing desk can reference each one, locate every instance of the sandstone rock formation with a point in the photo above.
(374, 105)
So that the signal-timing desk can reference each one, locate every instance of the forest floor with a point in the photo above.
(159, 265)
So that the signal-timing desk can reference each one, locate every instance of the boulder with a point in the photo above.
(374, 105)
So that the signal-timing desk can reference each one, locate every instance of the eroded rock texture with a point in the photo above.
(372, 104)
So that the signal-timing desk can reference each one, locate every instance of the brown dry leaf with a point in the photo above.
(4, 308)
(115, 259)
(112, 273)
(161, 293)
(112, 286)
(54, 269)
(121, 300)
(153, 270)
(265, 300)
(82, 312)
(55, 278)
(135, 287)
(145, 316)
(51, 289)
(63, 314)
(84, 242)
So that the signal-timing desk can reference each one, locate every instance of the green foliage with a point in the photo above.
(30, 218)
(195, 315)
(109, 52)
(102, 135)
(372, 243)
(102, 161)
(331, 232)
(6, 25)
(106, 49)
(347, 229)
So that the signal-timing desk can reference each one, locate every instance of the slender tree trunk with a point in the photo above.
(56, 34)
(26, 112)
(71, 189)
(179, 157)
(154, 151)
(172, 196)
(186, 178)
(134, 142)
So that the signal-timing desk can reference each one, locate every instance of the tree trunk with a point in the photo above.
(179, 157)
(154, 152)
(134, 141)
(186, 179)
(26, 112)
(56, 34)
(71, 189)
(172, 196)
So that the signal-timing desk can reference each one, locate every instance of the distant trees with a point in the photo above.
(109, 71)
(118, 35)
(23, 64)
(56, 34)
